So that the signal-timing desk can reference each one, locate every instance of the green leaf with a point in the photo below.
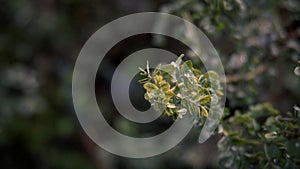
(169, 68)
(212, 75)
(150, 86)
(204, 111)
(146, 96)
(189, 64)
(144, 80)
(205, 99)
(178, 61)
(242, 141)
(165, 86)
(196, 72)
(219, 92)
(156, 70)
(157, 79)
(262, 110)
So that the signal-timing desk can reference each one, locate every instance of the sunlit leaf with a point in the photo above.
(150, 86)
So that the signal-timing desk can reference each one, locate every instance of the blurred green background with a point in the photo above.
(258, 42)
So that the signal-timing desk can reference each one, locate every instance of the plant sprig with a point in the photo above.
(178, 88)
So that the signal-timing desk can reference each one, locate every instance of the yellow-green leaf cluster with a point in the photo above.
(178, 88)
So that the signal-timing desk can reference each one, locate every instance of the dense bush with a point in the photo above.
(258, 138)
(260, 46)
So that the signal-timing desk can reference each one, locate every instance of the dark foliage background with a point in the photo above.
(258, 43)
